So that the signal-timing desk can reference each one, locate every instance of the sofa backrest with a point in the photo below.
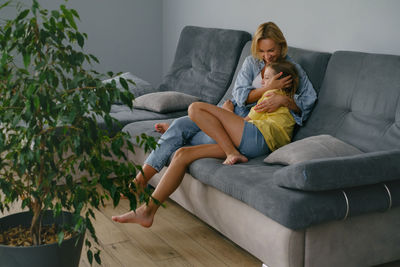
(359, 101)
(245, 53)
(205, 61)
(314, 64)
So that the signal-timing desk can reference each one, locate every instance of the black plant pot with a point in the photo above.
(51, 255)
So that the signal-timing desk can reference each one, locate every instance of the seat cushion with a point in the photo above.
(253, 183)
(205, 61)
(125, 116)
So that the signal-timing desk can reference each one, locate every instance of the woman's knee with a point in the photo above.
(194, 108)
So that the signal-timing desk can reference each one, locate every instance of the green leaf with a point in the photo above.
(69, 17)
(80, 39)
(60, 237)
(90, 256)
(97, 257)
(22, 15)
(27, 59)
(5, 4)
(55, 14)
(75, 13)
(124, 84)
(4, 58)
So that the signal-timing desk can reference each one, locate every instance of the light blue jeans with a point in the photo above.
(183, 131)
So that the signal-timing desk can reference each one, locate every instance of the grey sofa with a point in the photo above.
(339, 211)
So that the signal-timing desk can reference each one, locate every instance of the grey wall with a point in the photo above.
(361, 25)
(124, 34)
(140, 36)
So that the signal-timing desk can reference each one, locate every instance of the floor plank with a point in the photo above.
(177, 238)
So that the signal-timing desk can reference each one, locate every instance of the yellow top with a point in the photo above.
(276, 127)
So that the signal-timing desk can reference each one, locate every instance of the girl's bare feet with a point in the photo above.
(161, 127)
(142, 216)
(235, 158)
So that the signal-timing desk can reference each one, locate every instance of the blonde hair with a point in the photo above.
(287, 68)
(268, 30)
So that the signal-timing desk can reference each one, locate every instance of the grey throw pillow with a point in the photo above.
(164, 102)
(314, 147)
(140, 87)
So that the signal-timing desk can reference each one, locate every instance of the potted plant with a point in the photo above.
(54, 156)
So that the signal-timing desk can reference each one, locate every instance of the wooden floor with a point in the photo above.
(176, 238)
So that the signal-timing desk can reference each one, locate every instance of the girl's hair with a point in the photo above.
(268, 30)
(287, 68)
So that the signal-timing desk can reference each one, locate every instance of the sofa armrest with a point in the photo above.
(341, 172)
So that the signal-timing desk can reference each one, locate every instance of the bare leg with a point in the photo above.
(228, 105)
(142, 179)
(172, 178)
(223, 126)
(161, 127)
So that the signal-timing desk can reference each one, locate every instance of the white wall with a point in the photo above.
(360, 25)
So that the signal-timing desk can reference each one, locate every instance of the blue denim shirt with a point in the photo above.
(305, 96)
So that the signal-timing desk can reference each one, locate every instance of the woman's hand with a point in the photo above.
(276, 83)
(272, 103)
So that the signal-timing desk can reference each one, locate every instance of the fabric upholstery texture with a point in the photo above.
(140, 87)
(205, 61)
(359, 102)
(125, 116)
(164, 102)
(314, 64)
(204, 64)
(253, 183)
(341, 172)
(314, 147)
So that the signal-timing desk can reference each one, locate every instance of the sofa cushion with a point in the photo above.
(359, 101)
(253, 183)
(205, 61)
(314, 147)
(125, 116)
(341, 172)
(140, 87)
(164, 102)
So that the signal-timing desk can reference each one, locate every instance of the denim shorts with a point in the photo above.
(253, 142)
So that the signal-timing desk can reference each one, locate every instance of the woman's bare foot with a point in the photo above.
(161, 127)
(235, 158)
(142, 216)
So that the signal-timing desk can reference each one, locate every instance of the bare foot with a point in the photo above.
(235, 158)
(142, 216)
(161, 127)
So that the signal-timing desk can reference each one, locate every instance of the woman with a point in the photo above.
(268, 45)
